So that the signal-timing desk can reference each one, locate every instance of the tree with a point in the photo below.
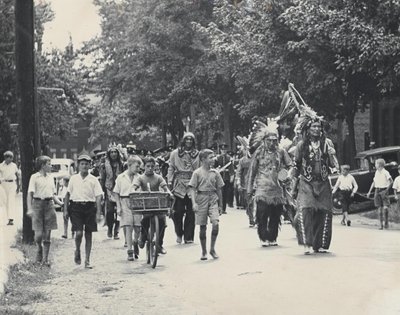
(7, 74)
(148, 54)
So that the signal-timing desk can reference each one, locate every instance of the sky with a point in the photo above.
(77, 18)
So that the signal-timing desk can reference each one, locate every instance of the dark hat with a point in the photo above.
(84, 157)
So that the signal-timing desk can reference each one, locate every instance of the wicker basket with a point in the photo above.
(146, 202)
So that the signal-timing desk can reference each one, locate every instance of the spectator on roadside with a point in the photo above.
(396, 188)
(346, 186)
(9, 180)
(382, 183)
(40, 203)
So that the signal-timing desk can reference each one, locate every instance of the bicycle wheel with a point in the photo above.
(149, 241)
(154, 246)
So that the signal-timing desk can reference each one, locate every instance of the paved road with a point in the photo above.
(360, 276)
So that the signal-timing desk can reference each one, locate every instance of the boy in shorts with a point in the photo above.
(382, 183)
(396, 188)
(347, 186)
(130, 221)
(149, 181)
(85, 194)
(40, 201)
(206, 194)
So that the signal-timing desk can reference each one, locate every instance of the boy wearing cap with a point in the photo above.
(206, 195)
(347, 186)
(382, 183)
(40, 203)
(9, 180)
(84, 194)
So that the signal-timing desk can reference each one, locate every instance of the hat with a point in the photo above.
(188, 134)
(84, 157)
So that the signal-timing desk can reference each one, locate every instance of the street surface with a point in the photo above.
(361, 275)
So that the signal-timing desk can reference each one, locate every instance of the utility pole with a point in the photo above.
(29, 140)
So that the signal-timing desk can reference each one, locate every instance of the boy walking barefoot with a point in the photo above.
(40, 200)
(85, 193)
(382, 183)
(206, 195)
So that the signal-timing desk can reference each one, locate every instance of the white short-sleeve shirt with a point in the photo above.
(123, 185)
(42, 186)
(84, 189)
(396, 184)
(382, 179)
(347, 182)
(8, 171)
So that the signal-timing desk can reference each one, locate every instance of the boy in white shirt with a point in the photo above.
(347, 186)
(396, 188)
(382, 183)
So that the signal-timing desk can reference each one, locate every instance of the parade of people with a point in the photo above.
(199, 157)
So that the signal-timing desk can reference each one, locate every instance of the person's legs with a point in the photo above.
(11, 192)
(229, 199)
(65, 235)
(78, 242)
(380, 209)
(110, 217)
(46, 247)
(304, 228)
(214, 235)
(386, 211)
(38, 241)
(88, 248)
(224, 196)
(179, 212)
(274, 221)
(162, 220)
(143, 230)
(322, 229)
(128, 236)
(136, 232)
(203, 241)
(189, 223)
(263, 214)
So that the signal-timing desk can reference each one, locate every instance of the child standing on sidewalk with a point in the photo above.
(347, 186)
(40, 201)
(382, 183)
(206, 194)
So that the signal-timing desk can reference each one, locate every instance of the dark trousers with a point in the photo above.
(111, 218)
(238, 196)
(162, 223)
(314, 228)
(184, 227)
(227, 195)
(268, 219)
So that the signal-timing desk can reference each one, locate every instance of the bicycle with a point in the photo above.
(151, 204)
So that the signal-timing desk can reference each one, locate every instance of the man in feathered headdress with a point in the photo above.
(314, 156)
(242, 173)
(183, 161)
(267, 162)
(109, 170)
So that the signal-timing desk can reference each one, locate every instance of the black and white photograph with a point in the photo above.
(199, 157)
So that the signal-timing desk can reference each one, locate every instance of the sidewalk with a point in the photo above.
(8, 255)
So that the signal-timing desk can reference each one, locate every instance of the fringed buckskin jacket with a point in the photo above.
(263, 175)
